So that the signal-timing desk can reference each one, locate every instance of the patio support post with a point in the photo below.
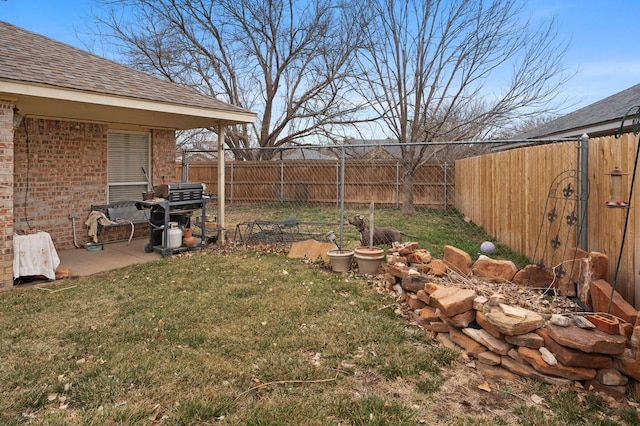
(221, 178)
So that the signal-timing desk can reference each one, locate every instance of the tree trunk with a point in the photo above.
(408, 208)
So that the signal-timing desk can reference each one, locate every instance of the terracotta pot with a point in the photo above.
(369, 259)
(340, 259)
(187, 232)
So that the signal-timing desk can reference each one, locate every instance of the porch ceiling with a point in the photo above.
(68, 104)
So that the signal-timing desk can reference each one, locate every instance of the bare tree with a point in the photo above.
(428, 67)
(289, 61)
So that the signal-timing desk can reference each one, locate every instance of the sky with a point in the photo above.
(601, 36)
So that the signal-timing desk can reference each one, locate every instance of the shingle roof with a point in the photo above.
(33, 58)
(607, 110)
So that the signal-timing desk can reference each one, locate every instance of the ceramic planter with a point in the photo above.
(188, 238)
(340, 259)
(369, 259)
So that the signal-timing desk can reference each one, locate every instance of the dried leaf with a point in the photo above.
(536, 399)
(155, 413)
(485, 387)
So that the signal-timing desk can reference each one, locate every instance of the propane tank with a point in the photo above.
(174, 236)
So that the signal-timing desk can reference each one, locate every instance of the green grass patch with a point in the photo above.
(431, 228)
(245, 338)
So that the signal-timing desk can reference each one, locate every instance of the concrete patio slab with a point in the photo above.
(82, 262)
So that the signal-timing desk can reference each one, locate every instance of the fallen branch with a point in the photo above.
(55, 291)
(283, 382)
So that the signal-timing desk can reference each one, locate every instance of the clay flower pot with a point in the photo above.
(369, 259)
(340, 259)
(188, 238)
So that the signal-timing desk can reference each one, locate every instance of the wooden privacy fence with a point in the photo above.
(606, 224)
(505, 194)
(320, 182)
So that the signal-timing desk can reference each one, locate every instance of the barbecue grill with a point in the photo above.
(175, 202)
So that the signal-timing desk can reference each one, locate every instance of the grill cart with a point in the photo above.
(173, 203)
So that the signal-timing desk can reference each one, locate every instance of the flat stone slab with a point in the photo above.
(461, 320)
(487, 326)
(414, 283)
(513, 321)
(587, 340)
(601, 292)
(529, 372)
(472, 347)
(574, 357)
(452, 300)
(533, 357)
(481, 336)
(489, 358)
(457, 260)
(494, 269)
(529, 340)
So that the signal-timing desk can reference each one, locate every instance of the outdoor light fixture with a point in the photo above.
(615, 189)
(17, 118)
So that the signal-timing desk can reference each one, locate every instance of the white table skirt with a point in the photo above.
(34, 255)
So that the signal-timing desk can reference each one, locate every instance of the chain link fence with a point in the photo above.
(430, 192)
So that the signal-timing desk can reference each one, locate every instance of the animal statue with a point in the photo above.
(381, 235)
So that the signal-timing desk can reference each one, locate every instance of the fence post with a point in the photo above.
(338, 185)
(281, 182)
(445, 185)
(342, 196)
(231, 185)
(583, 160)
(184, 173)
(397, 185)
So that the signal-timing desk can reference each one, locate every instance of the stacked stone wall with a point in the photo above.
(597, 349)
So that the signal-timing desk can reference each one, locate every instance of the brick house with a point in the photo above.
(75, 130)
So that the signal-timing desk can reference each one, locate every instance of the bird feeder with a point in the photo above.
(615, 189)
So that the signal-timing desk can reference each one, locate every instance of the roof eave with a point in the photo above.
(68, 104)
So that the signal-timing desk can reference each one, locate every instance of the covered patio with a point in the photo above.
(82, 262)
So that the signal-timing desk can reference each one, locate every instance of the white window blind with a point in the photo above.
(127, 154)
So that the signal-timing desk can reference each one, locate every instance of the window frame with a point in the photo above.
(135, 142)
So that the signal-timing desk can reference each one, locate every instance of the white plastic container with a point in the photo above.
(174, 236)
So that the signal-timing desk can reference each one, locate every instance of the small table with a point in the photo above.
(34, 255)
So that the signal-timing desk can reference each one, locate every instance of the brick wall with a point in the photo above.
(163, 147)
(6, 194)
(61, 168)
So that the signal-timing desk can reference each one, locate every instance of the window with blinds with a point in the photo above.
(127, 154)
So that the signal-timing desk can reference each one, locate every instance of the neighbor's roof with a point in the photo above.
(35, 69)
(598, 119)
